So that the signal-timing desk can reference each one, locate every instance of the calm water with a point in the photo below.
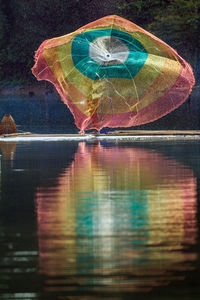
(99, 220)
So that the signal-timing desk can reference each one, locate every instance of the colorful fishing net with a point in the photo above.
(112, 73)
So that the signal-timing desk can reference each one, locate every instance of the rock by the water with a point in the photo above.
(7, 125)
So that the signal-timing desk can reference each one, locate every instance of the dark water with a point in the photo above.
(99, 220)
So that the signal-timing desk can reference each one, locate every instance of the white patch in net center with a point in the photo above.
(108, 50)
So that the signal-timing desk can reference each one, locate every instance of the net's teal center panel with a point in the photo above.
(111, 54)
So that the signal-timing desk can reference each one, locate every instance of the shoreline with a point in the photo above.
(28, 89)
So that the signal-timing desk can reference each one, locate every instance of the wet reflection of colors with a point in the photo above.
(118, 219)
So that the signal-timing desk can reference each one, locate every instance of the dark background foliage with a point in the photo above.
(25, 24)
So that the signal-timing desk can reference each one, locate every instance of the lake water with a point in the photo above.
(99, 219)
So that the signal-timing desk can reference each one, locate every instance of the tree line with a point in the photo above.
(25, 24)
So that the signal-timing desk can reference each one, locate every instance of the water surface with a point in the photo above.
(93, 220)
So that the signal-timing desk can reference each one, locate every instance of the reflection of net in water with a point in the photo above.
(112, 73)
(118, 218)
